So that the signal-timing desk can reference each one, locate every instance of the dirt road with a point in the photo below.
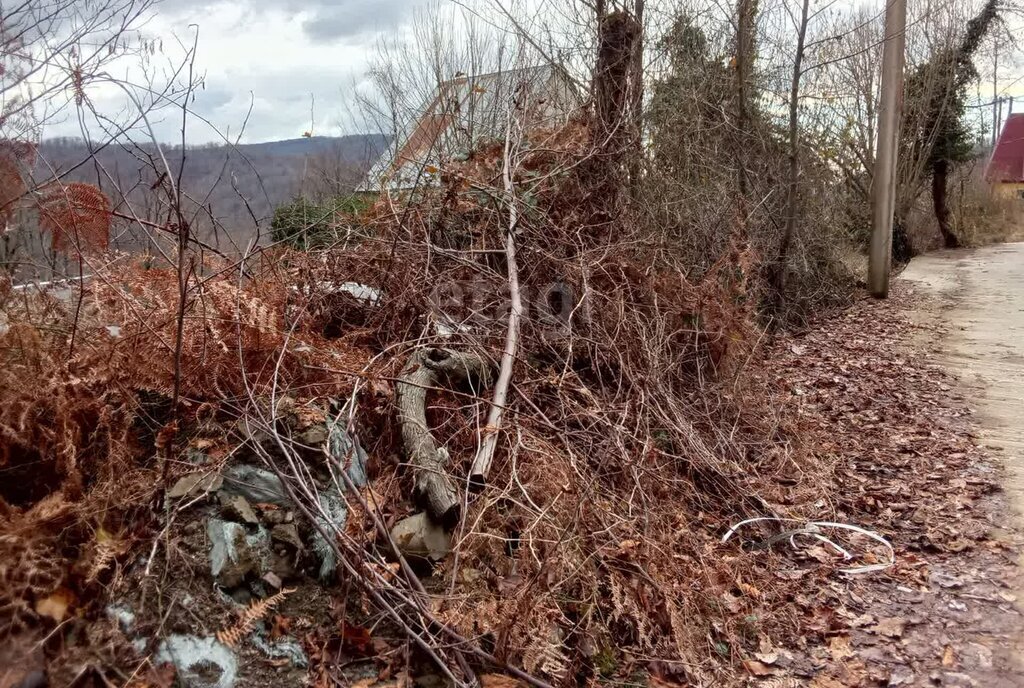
(976, 297)
(980, 293)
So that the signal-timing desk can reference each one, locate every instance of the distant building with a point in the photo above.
(464, 111)
(1005, 171)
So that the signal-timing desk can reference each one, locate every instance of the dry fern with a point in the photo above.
(104, 554)
(255, 612)
(77, 216)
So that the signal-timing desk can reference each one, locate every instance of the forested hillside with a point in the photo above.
(231, 190)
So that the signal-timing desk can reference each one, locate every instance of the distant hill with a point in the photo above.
(231, 191)
(356, 147)
(231, 183)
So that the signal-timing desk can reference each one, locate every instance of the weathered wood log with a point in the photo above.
(431, 367)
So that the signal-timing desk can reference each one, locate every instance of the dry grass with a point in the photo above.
(634, 434)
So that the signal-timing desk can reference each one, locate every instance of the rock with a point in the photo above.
(418, 536)
(350, 457)
(334, 507)
(313, 436)
(122, 614)
(194, 484)
(199, 662)
(287, 533)
(272, 579)
(234, 554)
(237, 508)
(255, 484)
(346, 450)
(273, 516)
(284, 647)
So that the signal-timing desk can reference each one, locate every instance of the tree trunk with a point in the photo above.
(940, 200)
(432, 488)
(745, 25)
(792, 198)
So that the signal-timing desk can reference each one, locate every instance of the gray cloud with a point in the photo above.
(331, 19)
(351, 18)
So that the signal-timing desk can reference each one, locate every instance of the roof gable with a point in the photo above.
(1007, 162)
(460, 113)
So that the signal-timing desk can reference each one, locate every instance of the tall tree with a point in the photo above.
(936, 131)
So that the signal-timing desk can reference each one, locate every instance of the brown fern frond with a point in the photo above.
(255, 612)
(106, 551)
(77, 216)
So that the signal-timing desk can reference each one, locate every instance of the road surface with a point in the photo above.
(981, 297)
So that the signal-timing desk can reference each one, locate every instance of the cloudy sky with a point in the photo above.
(270, 56)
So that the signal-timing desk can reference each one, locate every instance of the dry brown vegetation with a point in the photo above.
(640, 397)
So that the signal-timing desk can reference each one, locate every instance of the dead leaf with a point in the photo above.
(757, 668)
(748, 590)
(948, 660)
(500, 681)
(892, 627)
(56, 605)
(826, 682)
(840, 648)
(356, 640)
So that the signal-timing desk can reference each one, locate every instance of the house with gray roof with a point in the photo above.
(463, 112)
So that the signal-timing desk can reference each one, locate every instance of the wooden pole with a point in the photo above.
(883, 186)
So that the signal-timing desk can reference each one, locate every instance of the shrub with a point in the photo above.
(305, 224)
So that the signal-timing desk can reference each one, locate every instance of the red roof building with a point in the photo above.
(1007, 163)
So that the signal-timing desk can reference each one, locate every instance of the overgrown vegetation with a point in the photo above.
(305, 224)
(554, 357)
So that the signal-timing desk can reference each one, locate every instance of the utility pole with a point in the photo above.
(883, 185)
(995, 94)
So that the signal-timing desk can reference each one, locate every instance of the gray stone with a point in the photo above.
(200, 662)
(255, 484)
(194, 484)
(351, 458)
(287, 533)
(313, 436)
(284, 647)
(122, 614)
(237, 508)
(235, 554)
(418, 536)
(346, 450)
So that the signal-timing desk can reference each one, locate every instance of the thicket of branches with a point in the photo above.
(555, 334)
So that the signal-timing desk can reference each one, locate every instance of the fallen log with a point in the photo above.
(427, 368)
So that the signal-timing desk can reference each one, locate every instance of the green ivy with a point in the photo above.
(307, 224)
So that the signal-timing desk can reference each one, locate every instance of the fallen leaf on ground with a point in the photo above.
(892, 627)
(757, 668)
(840, 648)
(55, 605)
(500, 681)
(947, 657)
